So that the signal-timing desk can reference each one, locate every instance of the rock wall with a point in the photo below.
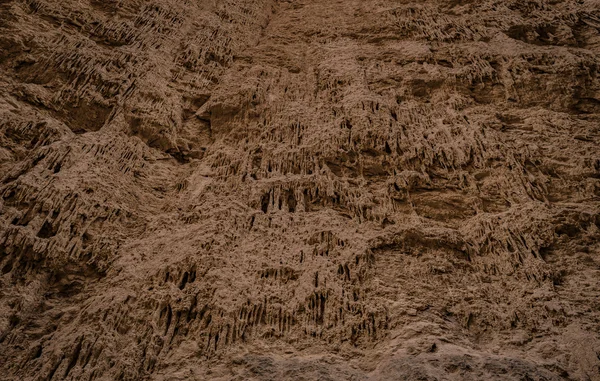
(308, 189)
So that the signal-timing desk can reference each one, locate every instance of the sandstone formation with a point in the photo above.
(299, 190)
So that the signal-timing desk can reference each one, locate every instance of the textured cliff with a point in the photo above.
(311, 189)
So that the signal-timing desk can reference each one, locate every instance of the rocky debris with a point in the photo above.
(299, 189)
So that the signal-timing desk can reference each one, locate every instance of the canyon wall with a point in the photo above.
(310, 189)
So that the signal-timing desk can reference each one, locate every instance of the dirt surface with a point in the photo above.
(299, 190)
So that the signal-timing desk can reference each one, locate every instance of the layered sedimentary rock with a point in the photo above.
(308, 189)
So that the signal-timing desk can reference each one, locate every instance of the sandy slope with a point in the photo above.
(302, 190)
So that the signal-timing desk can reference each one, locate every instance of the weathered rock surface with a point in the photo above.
(302, 189)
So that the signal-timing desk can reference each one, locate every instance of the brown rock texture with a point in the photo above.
(299, 190)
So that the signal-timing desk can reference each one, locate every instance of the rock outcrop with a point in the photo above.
(300, 189)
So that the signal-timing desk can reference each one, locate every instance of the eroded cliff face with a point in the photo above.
(311, 189)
